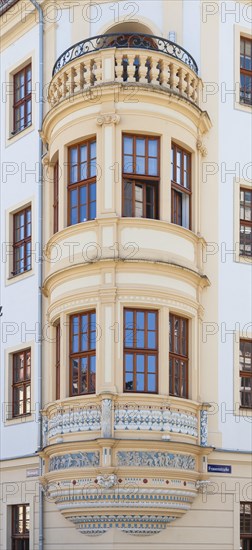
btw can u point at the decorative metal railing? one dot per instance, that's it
(127, 40)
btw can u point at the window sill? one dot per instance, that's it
(246, 108)
(243, 259)
(13, 421)
(18, 135)
(16, 278)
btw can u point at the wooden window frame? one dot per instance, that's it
(146, 352)
(245, 72)
(81, 183)
(245, 537)
(173, 356)
(57, 360)
(180, 188)
(245, 374)
(21, 384)
(23, 242)
(24, 101)
(245, 223)
(90, 352)
(24, 536)
(56, 197)
(144, 179)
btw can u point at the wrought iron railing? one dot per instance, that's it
(128, 40)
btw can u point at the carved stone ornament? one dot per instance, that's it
(108, 119)
(201, 147)
(106, 482)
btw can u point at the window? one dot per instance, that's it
(58, 361)
(22, 227)
(82, 353)
(180, 186)
(21, 385)
(140, 176)
(82, 182)
(246, 373)
(56, 198)
(140, 350)
(178, 357)
(246, 71)
(22, 99)
(246, 525)
(20, 527)
(245, 222)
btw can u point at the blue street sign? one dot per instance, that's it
(219, 469)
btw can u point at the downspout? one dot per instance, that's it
(40, 259)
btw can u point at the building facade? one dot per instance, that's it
(126, 215)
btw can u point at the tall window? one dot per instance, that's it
(58, 361)
(20, 527)
(246, 525)
(246, 373)
(22, 99)
(246, 71)
(56, 198)
(22, 228)
(21, 386)
(178, 357)
(140, 176)
(245, 222)
(82, 182)
(180, 186)
(82, 353)
(140, 350)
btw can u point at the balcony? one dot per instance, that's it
(131, 59)
(134, 463)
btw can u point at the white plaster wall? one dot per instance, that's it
(20, 299)
(235, 279)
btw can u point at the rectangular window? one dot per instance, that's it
(22, 227)
(180, 186)
(178, 356)
(20, 530)
(82, 182)
(246, 71)
(246, 525)
(58, 361)
(245, 222)
(56, 198)
(141, 176)
(21, 383)
(140, 351)
(246, 373)
(82, 353)
(22, 108)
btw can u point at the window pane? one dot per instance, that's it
(140, 363)
(92, 210)
(128, 145)
(75, 368)
(140, 165)
(153, 167)
(151, 364)
(129, 381)
(153, 148)
(151, 321)
(151, 340)
(129, 362)
(140, 147)
(127, 210)
(140, 319)
(151, 382)
(140, 382)
(140, 339)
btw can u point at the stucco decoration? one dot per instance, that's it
(158, 459)
(106, 418)
(153, 419)
(74, 419)
(140, 525)
(203, 429)
(108, 119)
(74, 460)
(106, 482)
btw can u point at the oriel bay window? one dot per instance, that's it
(82, 353)
(20, 528)
(140, 350)
(246, 373)
(246, 71)
(141, 173)
(22, 227)
(58, 333)
(245, 222)
(21, 385)
(246, 525)
(178, 356)
(82, 182)
(56, 197)
(180, 186)
(22, 108)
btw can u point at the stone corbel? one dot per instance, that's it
(108, 119)
(201, 147)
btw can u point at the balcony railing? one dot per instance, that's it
(135, 59)
(128, 40)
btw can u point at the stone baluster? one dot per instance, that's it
(97, 70)
(131, 68)
(79, 79)
(165, 73)
(142, 69)
(88, 74)
(154, 72)
(59, 88)
(66, 83)
(119, 67)
(174, 79)
(189, 89)
(182, 81)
